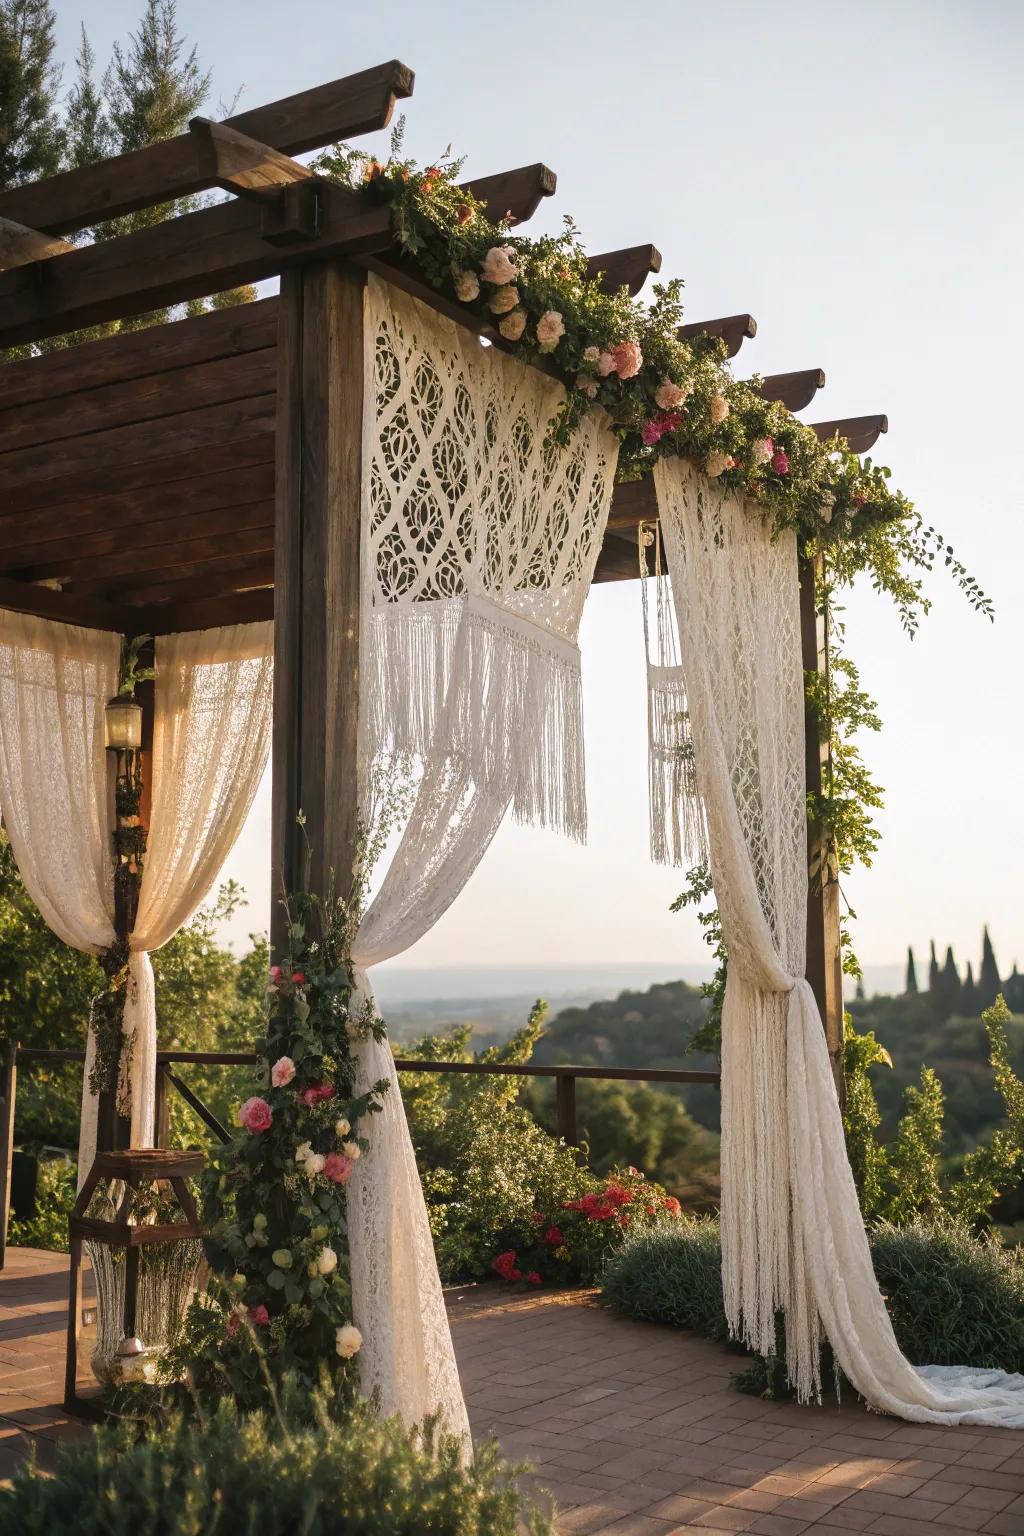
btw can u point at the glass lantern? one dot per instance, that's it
(122, 725)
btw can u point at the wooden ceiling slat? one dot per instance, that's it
(77, 554)
(180, 616)
(629, 268)
(618, 560)
(341, 109)
(115, 514)
(188, 585)
(181, 560)
(67, 607)
(157, 397)
(144, 441)
(633, 501)
(149, 476)
(134, 354)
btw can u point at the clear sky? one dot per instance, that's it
(850, 174)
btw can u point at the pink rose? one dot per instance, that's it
(259, 1315)
(299, 978)
(780, 462)
(628, 359)
(337, 1168)
(315, 1093)
(282, 1072)
(276, 975)
(762, 450)
(255, 1115)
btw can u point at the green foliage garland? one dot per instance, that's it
(275, 1197)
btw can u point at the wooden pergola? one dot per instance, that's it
(208, 471)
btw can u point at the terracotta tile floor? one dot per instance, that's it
(633, 1429)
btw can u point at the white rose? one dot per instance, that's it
(314, 1164)
(505, 299)
(592, 356)
(326, 1261)
(499, 265)
(341, 1127)
(348, 1341)
(762, 450)
(352, 1150)
(588, 384)
(302, 1151)
(550, 330)
(467, 287)
(513, 325)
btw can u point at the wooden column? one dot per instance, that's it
(316, 583)
(8, 1094)
(824, 959)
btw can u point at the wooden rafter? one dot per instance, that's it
(162, 172)
(20, 245)
(513, 195)
(242, 165)
(793, 390)
(629, 268)
(732, 329)
(859, 432)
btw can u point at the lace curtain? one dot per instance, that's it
(479, 541)
(211, 737)
(792, 1234)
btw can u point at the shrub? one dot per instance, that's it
(276, 1474)
(498, 1186)
(55, 1195)
(954, 1298)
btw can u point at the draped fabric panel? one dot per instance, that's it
(211, 738)
(793, 1239)
(479, 542)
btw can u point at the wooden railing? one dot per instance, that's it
(168, 1080)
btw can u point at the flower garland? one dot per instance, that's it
(536, 299)
(275, 1198)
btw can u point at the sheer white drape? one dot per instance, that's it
(792, 1234)
(211, 737)
(479, 543)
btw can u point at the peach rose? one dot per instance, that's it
(513, 325)
(550, 330)
(718, 409)
(668, 395)
(499, 265)
(467, 287)
(505, 299)
(628, 359)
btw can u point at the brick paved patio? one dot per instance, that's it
(633, 1429)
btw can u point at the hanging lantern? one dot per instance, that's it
(122, 724)
(138, 1216)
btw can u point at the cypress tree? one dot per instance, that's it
(910, 987)
(989, 985)
(859, 994)
(949, 985)
(31, 136)
(969, 995)
(1013, 990)
(935, 987)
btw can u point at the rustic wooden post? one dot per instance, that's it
(9, 1085)
(316, 581)
(824, 958)
(565, 1108)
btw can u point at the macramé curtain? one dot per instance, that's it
(479, 540)
(793, 1239)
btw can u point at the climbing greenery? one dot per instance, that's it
(537, 299)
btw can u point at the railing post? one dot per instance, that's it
(565, 1108)
(161, 1109)
(10, 1086)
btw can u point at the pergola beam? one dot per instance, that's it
(793, 390)
(242, 165)
(513, 195)
(629, 268)
(67, 607)
(20, 245)
(734, 330)
(859, 432)
(175, 168)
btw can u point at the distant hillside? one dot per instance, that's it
(637, 1029)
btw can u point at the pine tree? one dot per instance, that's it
(31, 137)
(1013, 990)
(989, 985)
(910, 987)
(969, 996)
(89, 133)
